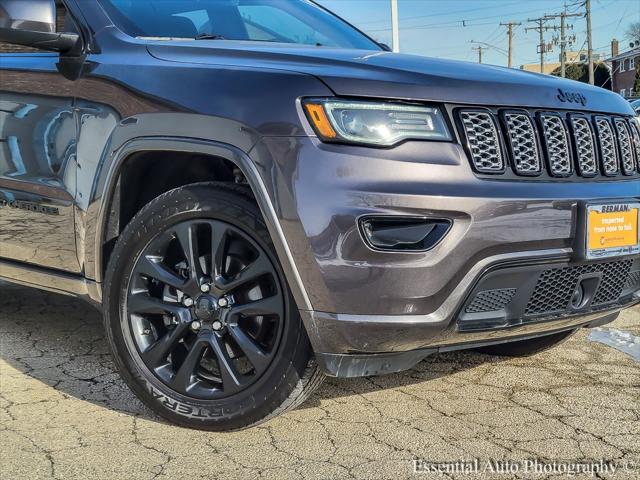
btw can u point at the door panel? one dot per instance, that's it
(37, 162)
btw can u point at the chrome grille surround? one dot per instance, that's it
(585, 146)
(634, 127)
(524, 143)
(483, 140)
(608, 150)
(627, 160)
(556, 141)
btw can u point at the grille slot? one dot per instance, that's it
(484, 141)
(524, 145)
(635, 137)
(491, 300)
(555, 287)
(585, 146)
(557, 143)
(626, 150)
(608, 149)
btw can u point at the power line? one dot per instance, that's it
(436, 26)
(468, 22)
(443, 14)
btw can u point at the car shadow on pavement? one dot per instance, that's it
(59, 341)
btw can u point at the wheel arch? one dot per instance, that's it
(107, 183)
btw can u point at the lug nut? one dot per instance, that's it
(188, 302)
(195, 325)
(223, 302)
(205, 288)
(217, 325)
(146, 331)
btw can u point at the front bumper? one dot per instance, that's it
(347, 365)
(539, 302)
(358, 301)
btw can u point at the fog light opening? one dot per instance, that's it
(403, 234)
(585, 291)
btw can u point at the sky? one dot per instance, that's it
(441, 28)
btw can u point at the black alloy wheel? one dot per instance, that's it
(198, 314)
(205, 308)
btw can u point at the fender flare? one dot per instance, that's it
(204, 147)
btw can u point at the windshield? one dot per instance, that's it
(289, 21)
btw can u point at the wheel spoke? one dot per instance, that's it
(157, 353)
(152, 267)
(183, 377)
(259, 267)
(218, 250)
(187, 235)
(231, 378)
(265, 306)
(258, 358)
(143, 303)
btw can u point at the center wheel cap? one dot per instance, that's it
(206, 308)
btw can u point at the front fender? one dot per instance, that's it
(188, 133)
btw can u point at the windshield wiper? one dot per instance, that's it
(209, 36)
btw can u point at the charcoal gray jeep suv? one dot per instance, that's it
(257, 195)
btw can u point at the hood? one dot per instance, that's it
(359, 73)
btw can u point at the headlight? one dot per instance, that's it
(374, 123)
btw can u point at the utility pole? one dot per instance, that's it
(589, 41)
(510, 26)
(541, 28)
(395, 26)
(563, 37)
(483, 47)
(479, 49)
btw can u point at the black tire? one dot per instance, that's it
(526, 348)
(263, 377)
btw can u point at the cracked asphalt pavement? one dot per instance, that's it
(65, 413)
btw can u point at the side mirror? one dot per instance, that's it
(32, 23)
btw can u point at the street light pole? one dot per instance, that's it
(395, 26)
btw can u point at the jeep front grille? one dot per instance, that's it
(484, 141)
(550, 144)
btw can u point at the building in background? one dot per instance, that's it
(572, 57)
(624, 70)
(535, 67)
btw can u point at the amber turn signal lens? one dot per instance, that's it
(319, 120)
